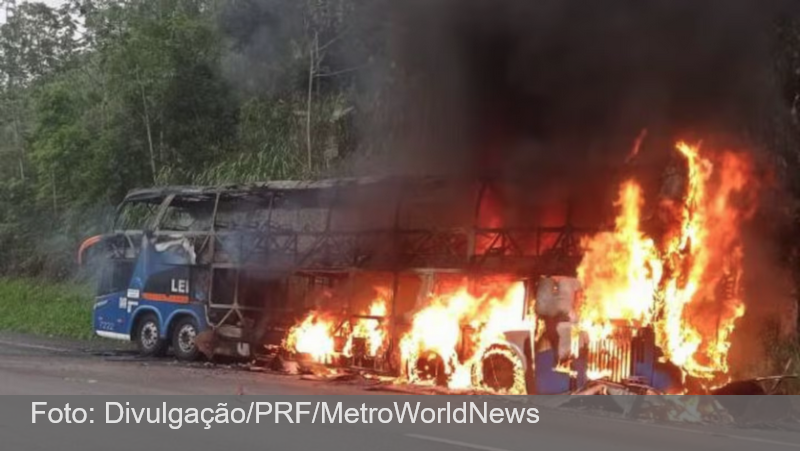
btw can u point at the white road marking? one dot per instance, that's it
(454, 442)
(83, 381)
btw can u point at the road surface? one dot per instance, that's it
(34, 366)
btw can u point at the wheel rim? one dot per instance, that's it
(149, 335)
(186, 336)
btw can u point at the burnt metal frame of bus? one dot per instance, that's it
(556, 249)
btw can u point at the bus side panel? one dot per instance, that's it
(161, 283)
(111, 314)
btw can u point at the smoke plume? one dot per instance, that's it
(514, 86)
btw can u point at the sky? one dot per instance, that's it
(46, 2)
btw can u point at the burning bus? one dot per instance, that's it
(438, 280)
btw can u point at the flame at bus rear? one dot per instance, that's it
(686, 283)
(620, 270)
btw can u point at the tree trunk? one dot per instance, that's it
(149, 131)
(19, 147)
(53, 183)
(309, 98)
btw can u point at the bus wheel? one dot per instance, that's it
(183, 339)
(148, 336)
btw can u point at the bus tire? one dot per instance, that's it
(148, 336)
(184, 333)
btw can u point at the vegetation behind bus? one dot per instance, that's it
(46, 308)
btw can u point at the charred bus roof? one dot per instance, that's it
(299, 187)
(254, 189)
(419, 202)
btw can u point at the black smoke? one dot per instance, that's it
(512, 87)
(546, 90)
(554, 93)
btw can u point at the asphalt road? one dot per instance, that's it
(41, 366)
(32, 366)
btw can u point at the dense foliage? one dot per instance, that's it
(98, 97)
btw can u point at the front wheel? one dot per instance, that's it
(148, 337)
(183, 339)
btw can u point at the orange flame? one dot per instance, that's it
(439, 328)
(370, 329)
(674, 287)
(313, 336)
(620, 270)
(683, 282)
(706, 254)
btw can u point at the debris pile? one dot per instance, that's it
(719, 408)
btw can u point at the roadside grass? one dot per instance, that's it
(45, 308)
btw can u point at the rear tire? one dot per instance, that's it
(183, 335)
(148, 336)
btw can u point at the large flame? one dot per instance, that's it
(440, 327)
(316, 334)
(687, 288)
(312, 336)
(620, 270)
(678, 275)
(371, 329)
